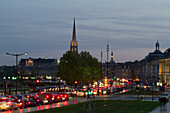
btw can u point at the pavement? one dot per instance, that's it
(162, 109)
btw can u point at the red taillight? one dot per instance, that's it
(58, 97)
(61, 95)
(41, 93)
(9, 102)
(28, 96)
(53, 96)
(35, 97)
(38, 100)
(3, 99)
(47, 96)
(29, 102)
(65, 96)
(19, 104)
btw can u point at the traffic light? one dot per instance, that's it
(75, 83)
(89, 92)
(37, 81)
(137, 88)
(114, 77)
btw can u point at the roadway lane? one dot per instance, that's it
(54, 105)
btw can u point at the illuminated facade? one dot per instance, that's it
(74, 44)
(38, 68)
(29, 62)
(164, 70)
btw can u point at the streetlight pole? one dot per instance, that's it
(17, 55)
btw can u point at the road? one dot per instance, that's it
(54, 105)
(79, 100)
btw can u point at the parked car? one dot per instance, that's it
(7, 104)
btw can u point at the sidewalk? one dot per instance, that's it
(163, 109)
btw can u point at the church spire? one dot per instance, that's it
(74, 31)
(74, 45)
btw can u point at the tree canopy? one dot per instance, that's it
(79, 67)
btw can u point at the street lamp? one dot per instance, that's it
(17, 55)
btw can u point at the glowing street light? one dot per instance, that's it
(17, 55)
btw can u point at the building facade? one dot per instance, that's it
(164, 71)
(41, 68)
(154, 68)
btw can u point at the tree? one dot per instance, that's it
(79, 67)
(69, 67)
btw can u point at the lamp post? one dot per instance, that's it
(17, 55)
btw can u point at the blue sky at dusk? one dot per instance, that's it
(44, 27)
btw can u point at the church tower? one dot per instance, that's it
(157, 46)
(74, 45)
(112, 61)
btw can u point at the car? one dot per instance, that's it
(35, 97)
(30, 103)
(14, 98)
(56, 97)
(81, 93)
(64, 97)
(69, 92)
(46, 97)
(164, 96)
(7, 104)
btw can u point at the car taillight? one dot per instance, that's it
(65, 96)
(28, 96)
(58, 97)
(61, 95)
(47, 96)
(9, 102)
(19, 104)
(35, 97)
(38, 100)
(53, 96)
(3, 99)
(29, 102)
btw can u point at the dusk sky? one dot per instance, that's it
(43, 28)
